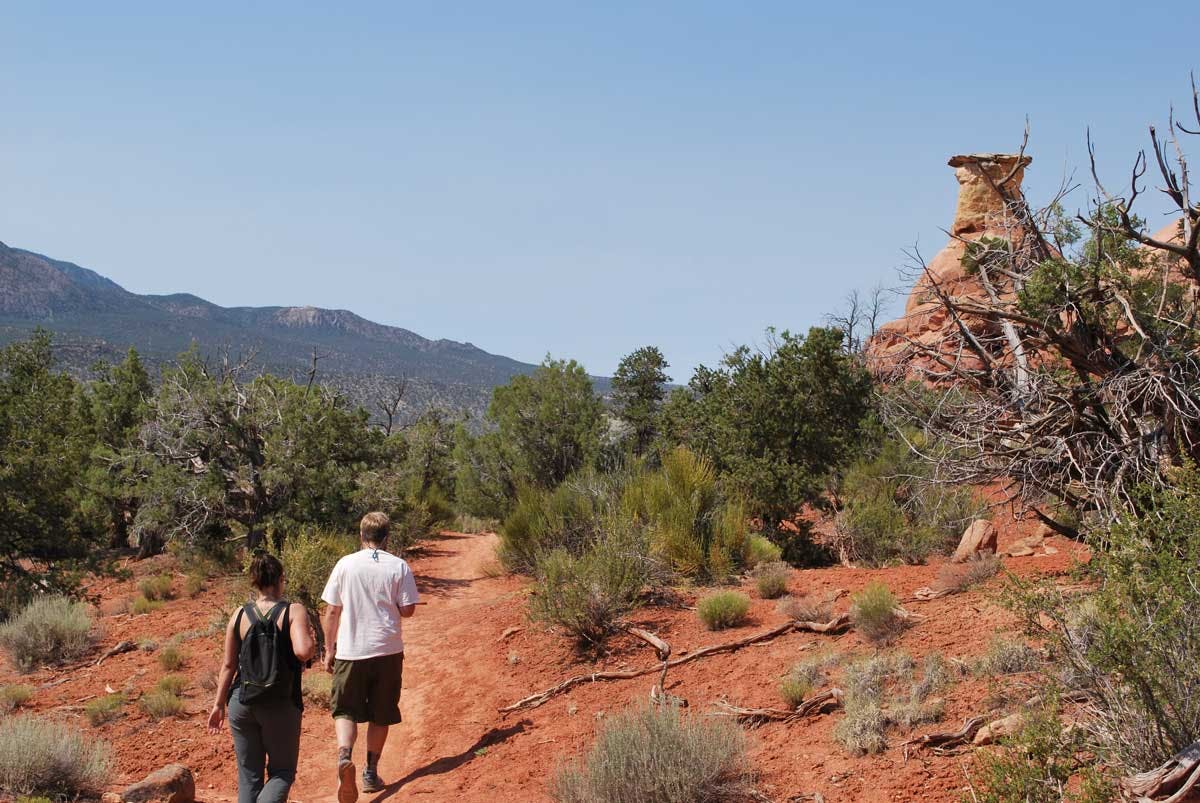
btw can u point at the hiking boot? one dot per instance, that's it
(347, 791)
(371, 781)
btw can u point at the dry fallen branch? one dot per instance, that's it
(817, 704)
(1175, 779)
(946, 740)
(836, 625)
(121, 647)
(925, 594)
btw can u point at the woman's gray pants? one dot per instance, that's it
(265, 735)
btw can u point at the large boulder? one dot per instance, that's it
(171, 784)
(978, 538)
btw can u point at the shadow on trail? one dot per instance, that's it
(450, 763)
(442, 586)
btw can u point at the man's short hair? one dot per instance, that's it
(373, 529)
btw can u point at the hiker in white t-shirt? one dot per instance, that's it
(368, 594)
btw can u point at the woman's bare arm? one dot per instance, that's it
(303, 643)
(225, 680)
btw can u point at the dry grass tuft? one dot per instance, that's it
(959, 577)
(723, 609)
(808, 608)
(49, 758)
(873, 613)
(771, 579)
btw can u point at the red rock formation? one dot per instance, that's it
(987, 182)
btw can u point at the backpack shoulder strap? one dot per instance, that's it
(280, 609)
(252, 613)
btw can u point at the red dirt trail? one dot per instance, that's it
(471, 651)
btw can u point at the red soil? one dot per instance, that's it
(460, 669)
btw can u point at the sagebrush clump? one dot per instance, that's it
(161, 703)
(49, 630)
(771, 579)
(158, 587)
(884, 691)
(50, 758)
(171, 658)
(104, 709)
(14, 696)
(655, 754)
(873, 613)
(723, 609)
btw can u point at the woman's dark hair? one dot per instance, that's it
(265, 571)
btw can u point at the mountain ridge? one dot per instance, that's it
(93, 318)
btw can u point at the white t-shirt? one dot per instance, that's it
(371, 586)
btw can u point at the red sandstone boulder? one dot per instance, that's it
(978, 538)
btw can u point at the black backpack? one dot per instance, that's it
(265, 670)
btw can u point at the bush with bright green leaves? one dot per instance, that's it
(308, 557)
(723, 609)
(690, 522)
(589, 594)
(51, 758)
(760, 549)
(49, 630)
(655, 754)
(873, 613)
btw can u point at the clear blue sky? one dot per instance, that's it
(572, 178)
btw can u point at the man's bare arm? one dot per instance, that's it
(329, 624)
(407, 611)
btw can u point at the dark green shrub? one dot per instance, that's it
(568, 518)
(655, 755)
(723, 609)
(873, 613)
(48, 630)
(588, 595)
(895, 511)
(49, 758)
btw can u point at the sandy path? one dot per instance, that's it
(447, 664)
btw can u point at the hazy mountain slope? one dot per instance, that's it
(93, 317)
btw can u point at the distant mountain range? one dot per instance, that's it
(94, 318)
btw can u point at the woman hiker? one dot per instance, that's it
(266, 643)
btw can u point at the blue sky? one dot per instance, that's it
(580, 179)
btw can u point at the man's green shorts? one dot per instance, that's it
(368, 690)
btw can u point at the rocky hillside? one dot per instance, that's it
(95, 318)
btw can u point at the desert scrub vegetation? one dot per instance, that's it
(959, 577)
(568, 517)
(104, 709)
(308, 557)
(49, 630)
(1007, 657)
(654, 754)
(1042, 762)
(588, 595)
(805, 677)
(873, 613)
(317, 689)
(894, 510)
(161, 703)
(157, 587)
(760, 549)
(691, 523)
(771, 579)
(13, 696)
(142, 606)
(173, 684)
(49, 758)
(807, 608)
(172, 657)
(722, 609)
(1130, 644)
(884, 690)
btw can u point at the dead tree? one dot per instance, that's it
(389, 404)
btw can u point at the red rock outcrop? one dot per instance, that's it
(987, 182)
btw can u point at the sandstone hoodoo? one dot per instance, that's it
(987, 185)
